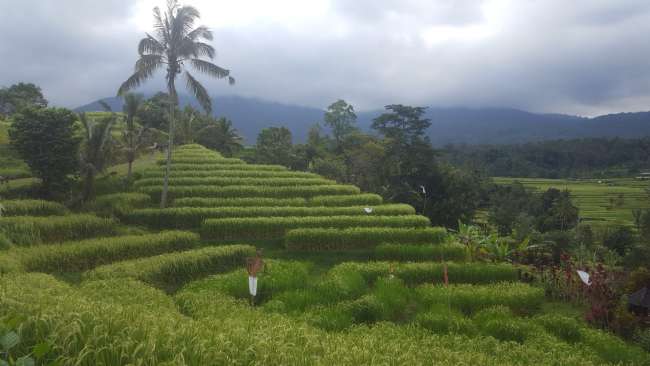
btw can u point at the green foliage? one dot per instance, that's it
(192, 217)
(442, 320)
(96, 150)
(45, 139)
(238, 202)
(20, 96)
(369, 199)
(29, 230)
(275, 227)
(421, 253)
(252, 191)
(32, 208)
(83, 255)
(341, 119)
(359, 238)
(565, 328)
(220, 135)
(520, 298)
(174, 269)
(274, 182)
(431, 272)
(119, 204)
(274, 146)
(242, 173)
(209, 161)
(499, 323)
(182, 167)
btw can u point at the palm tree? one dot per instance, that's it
(220, 135)
(95, 150)
(133, 136)
(176, 44)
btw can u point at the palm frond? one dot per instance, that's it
(161, 26)
(200, 32)
(150, 45)
(143, 72)
(209, 68)
(199, 92)
(105, 106)
(204, 49)
(184, 20)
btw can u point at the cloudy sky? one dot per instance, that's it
(583, 57)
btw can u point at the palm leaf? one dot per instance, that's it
(209, 68)
(199, 92)
(150, 45)
(200, 32)
(144, 70)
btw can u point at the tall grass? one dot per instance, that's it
(275, 227)
(421, 253)
(174, 269)
(192, 217)
(368, 199)
(241, 173)
(120, 203)
(179, 167)
(83, 255)
(32, 208)
(230, 181)
(359, 238)
(238, 202)
(207, 160)
(31, 230)
(251, 191)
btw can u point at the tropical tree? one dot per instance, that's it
(133, 136)
(176, 44)
(96, 149)
(220, 135)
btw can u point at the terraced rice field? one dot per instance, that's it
(348, 280)
(599, 201)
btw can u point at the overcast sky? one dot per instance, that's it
(583, 57)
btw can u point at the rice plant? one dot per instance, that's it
(32, 208)
(239, 202)
(55, 228)
(251, 191)
(421, 253)
(369, 199)
(359, 238)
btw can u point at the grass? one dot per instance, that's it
(600, 201)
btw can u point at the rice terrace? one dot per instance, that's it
(152, 227)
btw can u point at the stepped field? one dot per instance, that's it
(348, 280)
(600, 201)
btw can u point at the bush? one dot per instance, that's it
(359, 238)
(418, 273)
(421, 253)
(83, 255)
(192, 217)
(120, 203)
(520, 298)
(251, 191)
(276, 227)
(174, 269)
(230, 181)
(368, 199)
(238, 202)
(32, 208)
(55, 228)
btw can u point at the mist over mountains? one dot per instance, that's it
(449, 125)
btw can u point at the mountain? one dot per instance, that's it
(448, 125)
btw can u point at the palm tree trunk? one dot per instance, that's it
(128, 173)
(172, 96)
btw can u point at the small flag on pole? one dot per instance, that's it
(584, 276)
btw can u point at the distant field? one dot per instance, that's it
(604, 201)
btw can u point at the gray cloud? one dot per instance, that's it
(585, 57)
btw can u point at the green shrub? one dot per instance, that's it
(30, 230)
(174, 269)
(238, 202)
(421, 253)
(193, 217)
(230, 181)
(250, 191)
(230, 173)
(359, 238)
(367, 199)
(87, 254)
(32, 208)
(520, 298)
(120, 203)
(418, 273)
(276, 227)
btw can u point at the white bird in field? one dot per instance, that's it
(368, 209)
